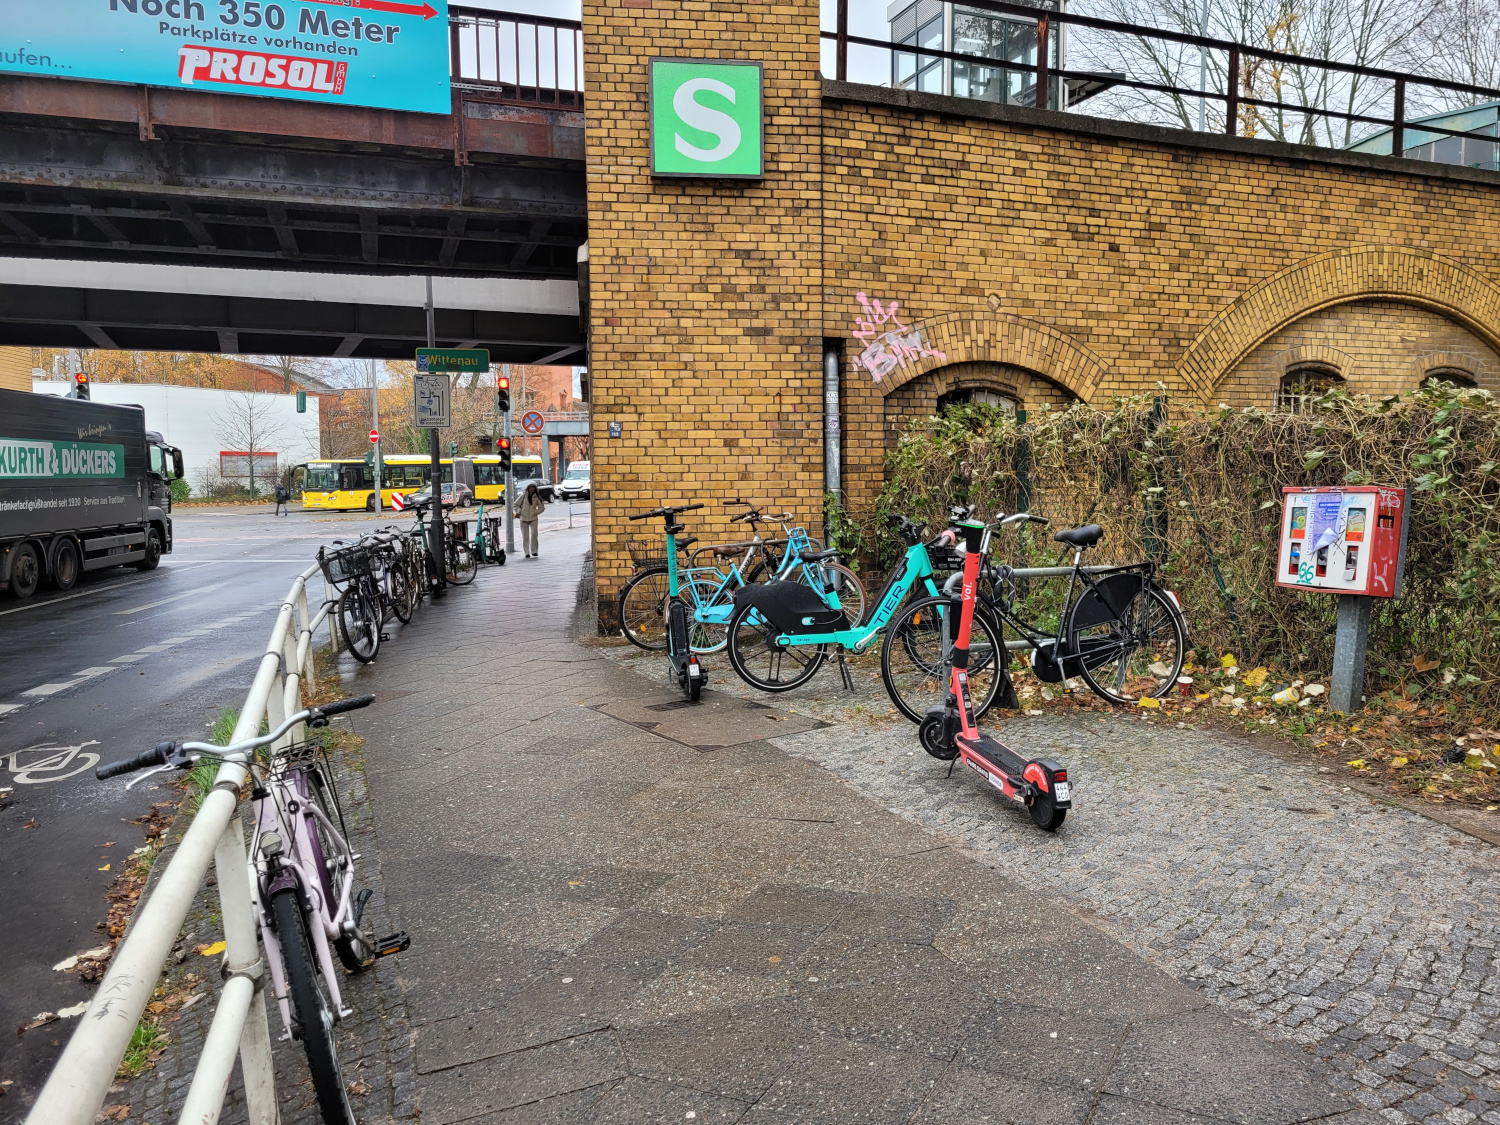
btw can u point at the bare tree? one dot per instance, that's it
(247, 424)
(1372, 33)
(1458, 42)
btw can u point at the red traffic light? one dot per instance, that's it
(502, 443)
(80, 384)
(502, 382)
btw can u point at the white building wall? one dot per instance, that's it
(195, 420)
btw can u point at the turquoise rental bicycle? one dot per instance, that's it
(685, 666)
(780, 634)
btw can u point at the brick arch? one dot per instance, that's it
(1415, 277)
(1002, 338)
(1319, 355)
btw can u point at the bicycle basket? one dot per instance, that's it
(646, 552)
(344, 564)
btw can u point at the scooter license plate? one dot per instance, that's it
(694, 670)
(1063, 792)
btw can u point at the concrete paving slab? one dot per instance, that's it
(521, 1077)
(833, 1081)
(967, 1095)
(1206, 1063)
(638, 1100)
(1045, 1045)
(716, 721)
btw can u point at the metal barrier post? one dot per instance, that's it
(305, 630)
(243, 995)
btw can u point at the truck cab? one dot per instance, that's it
(163, 466)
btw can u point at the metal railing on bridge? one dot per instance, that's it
(1244, 90)
(524, 60)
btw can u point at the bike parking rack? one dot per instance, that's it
(80, 1081)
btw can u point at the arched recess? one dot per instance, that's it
(1004, 339)
(1361, 273)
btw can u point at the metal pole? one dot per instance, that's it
(510, 530)
(1350, 642)
(832, 437)
(435, 530)
(1043, 99)
(1398, 120)
(375, 425)
(1203, 71)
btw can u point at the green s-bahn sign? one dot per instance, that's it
(707, 119)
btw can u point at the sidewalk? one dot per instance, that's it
(627, 909)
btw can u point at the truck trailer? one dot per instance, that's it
(83, 486)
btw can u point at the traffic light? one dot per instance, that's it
(502, 394)
(301, 402)
(80, 385)
(502, 447)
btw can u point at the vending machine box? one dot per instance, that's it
(1343, 540)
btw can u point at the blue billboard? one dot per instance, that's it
(388, 54)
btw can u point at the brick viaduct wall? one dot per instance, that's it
(1049, 257)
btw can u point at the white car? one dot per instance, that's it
(575, 482)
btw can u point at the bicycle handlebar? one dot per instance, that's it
(156, 756)
(171, 753)
(668, 512)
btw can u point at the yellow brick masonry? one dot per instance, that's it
(705, 338)
(1043, 257)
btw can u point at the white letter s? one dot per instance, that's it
(714, 121)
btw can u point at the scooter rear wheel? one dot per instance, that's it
(1045, 814)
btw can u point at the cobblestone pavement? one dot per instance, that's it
(1363, 931)
(374, 1045)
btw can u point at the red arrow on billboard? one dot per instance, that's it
(426, 11)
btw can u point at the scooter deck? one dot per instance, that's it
(996, 753)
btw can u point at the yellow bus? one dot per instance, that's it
(489, 478)
(344, 484)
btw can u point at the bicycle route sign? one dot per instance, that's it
(434, 405)
(532, 422)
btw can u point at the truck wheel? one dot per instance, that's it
(25, 571)
(65, 565)
(153, 551)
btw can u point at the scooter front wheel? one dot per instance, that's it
(930, 733)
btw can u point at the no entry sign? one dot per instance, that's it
(532, 422)
(374, 436)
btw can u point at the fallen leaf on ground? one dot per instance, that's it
(1256, 676)
(1422, 664)
(209, 950)
(87, 955)
(76, 1010)
(41, 1019)
(1358, 763)
(1147, 701)
(104, 868)
(359, 1088)
(1228, 660)
(30, 823)
(113, 1113)
(1398, 761)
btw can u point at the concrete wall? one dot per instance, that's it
(201, 422)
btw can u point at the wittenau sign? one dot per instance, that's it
(706, 119)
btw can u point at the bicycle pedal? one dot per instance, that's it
(394, 943)
(385, 636)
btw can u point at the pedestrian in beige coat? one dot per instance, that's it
(529, 509)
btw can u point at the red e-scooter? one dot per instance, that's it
(949, 731)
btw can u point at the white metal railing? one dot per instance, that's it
(78, 1084)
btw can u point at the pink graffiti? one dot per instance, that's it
(888, 348)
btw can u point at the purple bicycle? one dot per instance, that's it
(302, 875)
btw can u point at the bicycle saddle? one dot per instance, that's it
(819, 556)
(1085, 536)
(730, 550)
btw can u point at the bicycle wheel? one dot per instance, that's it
(1137, 654)
(851, 591)
(355, 952)
(642, 602)
(402, 601)
(915, 654)
(461, 564)
(359, 618)
(314, 1018)
(705, 637)
(762, 663)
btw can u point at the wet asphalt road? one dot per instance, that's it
(121, 662)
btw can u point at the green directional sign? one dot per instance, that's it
(707, 119)
(452, 359)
